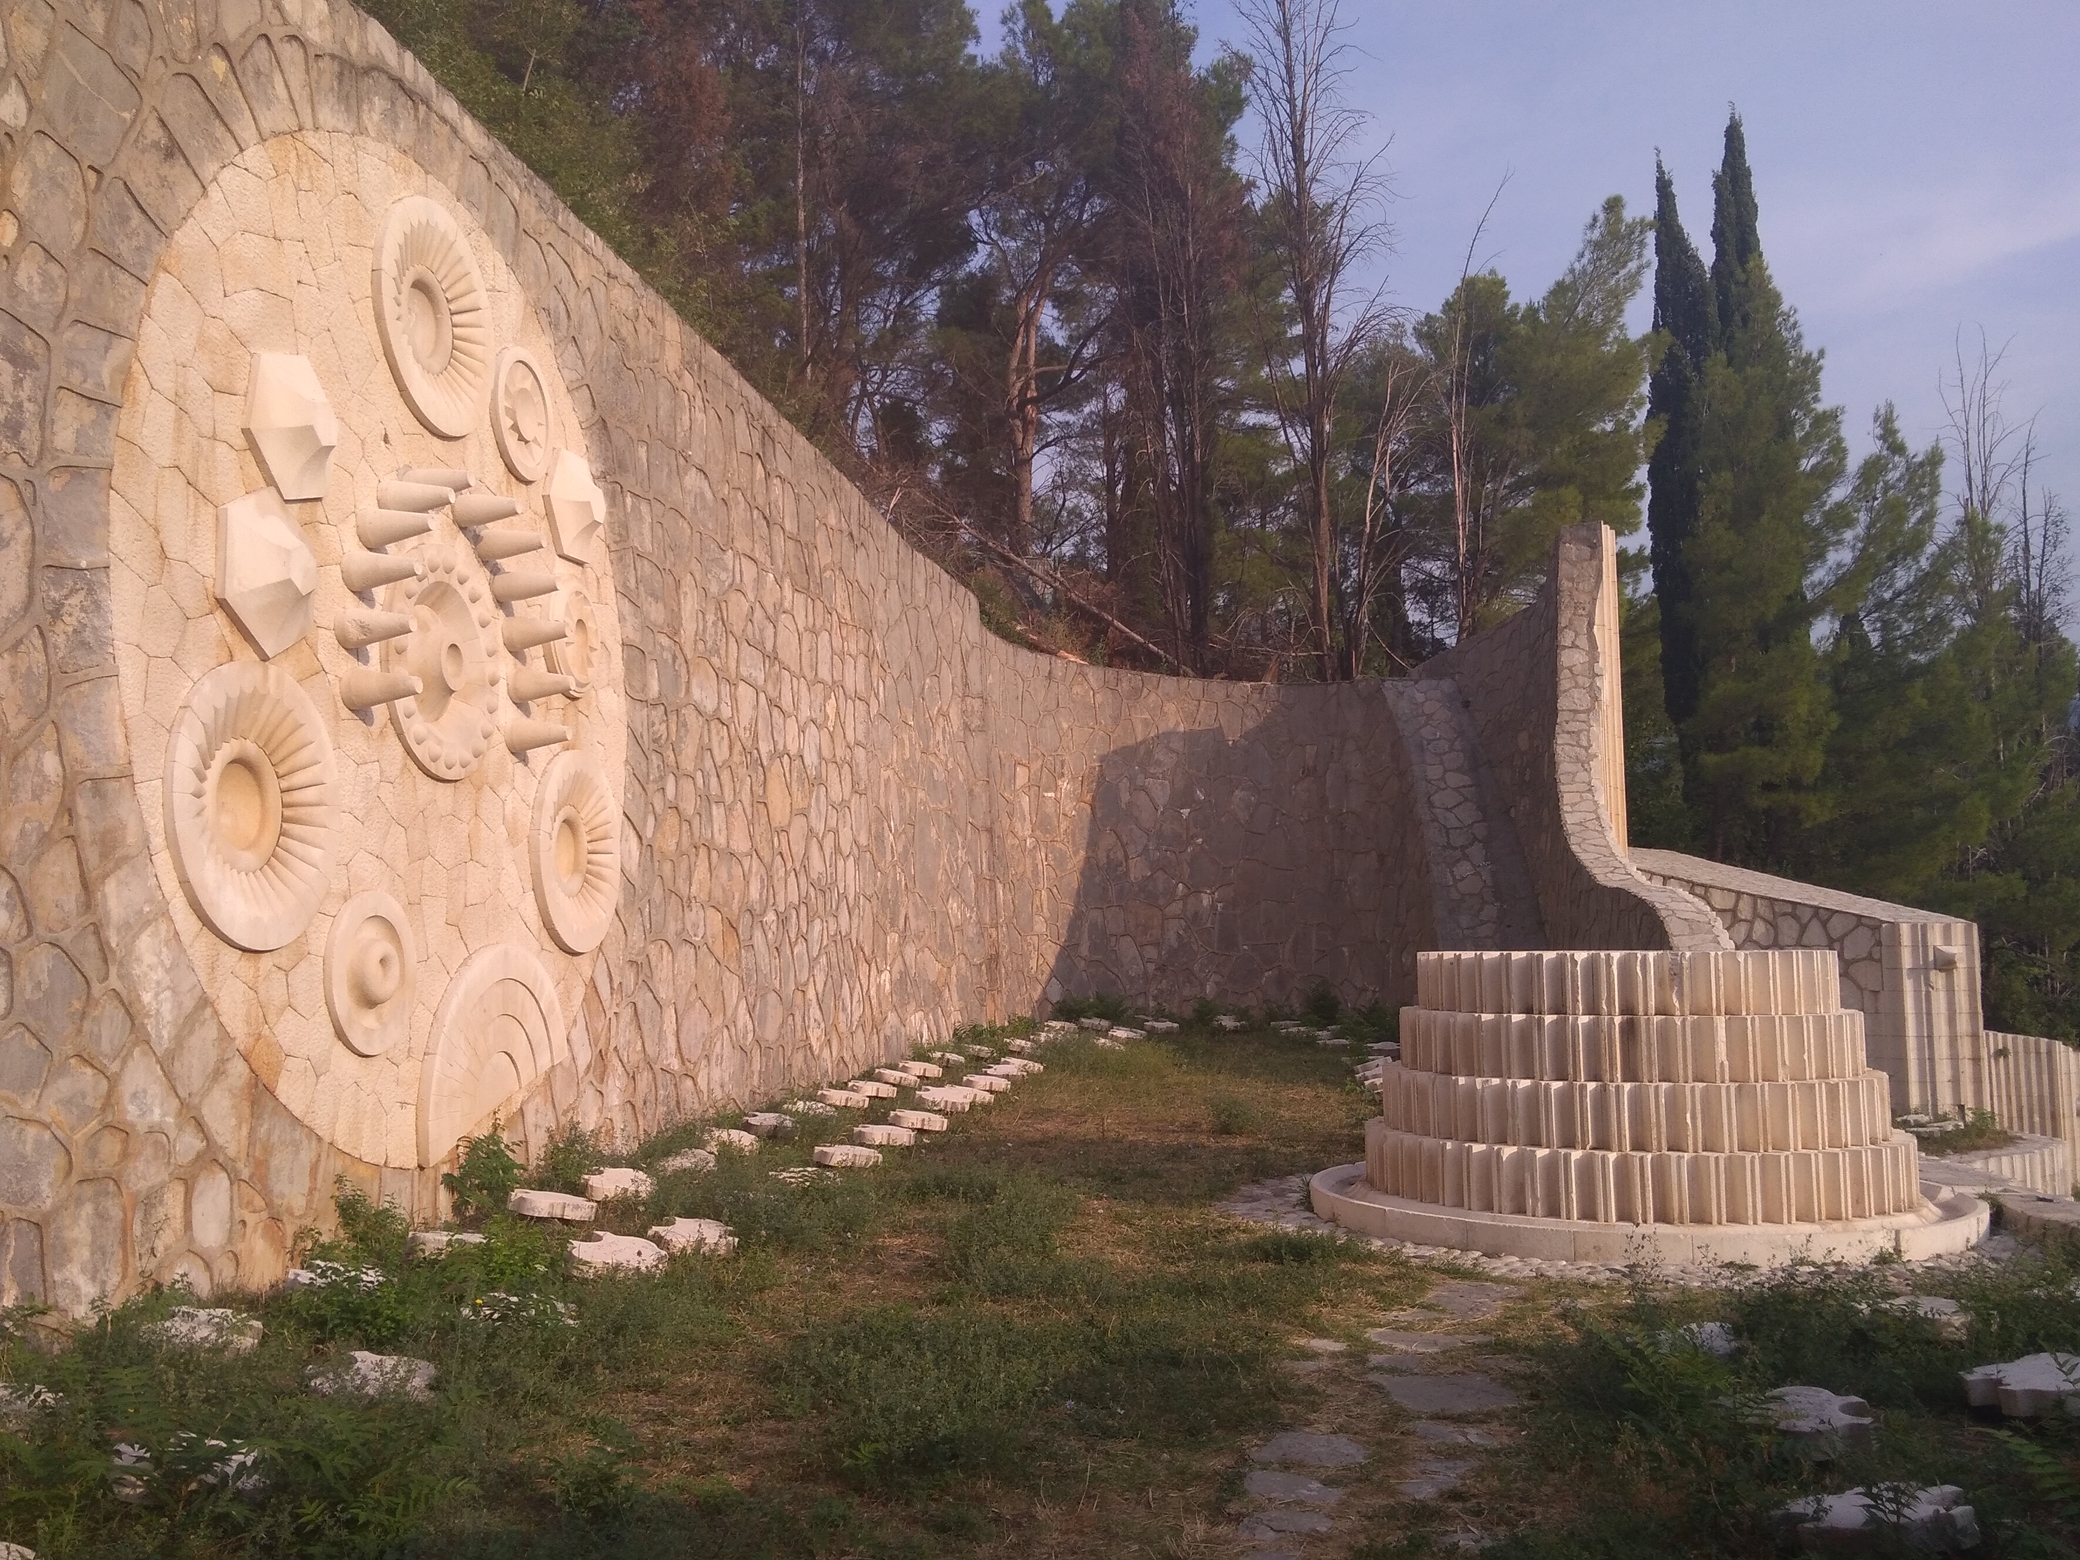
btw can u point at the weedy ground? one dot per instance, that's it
(1032, 1336)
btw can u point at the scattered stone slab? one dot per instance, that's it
(732, 1139)
(1305, 1449)
(364, 1375)
(1433, 1478)
(695, 1161)
(985, 1083)
(1058, 1026)
(1420, 1343)
(917, 1120)
(1932, 1520)
(844, 1099)
(207, 1327)
(531, 1204)
(896, 1077)
(1324, 1346)
(1463, 1299)
(1439, 1432)
(1096, 1026)
(1467, 1393)
(981, 1053)
(438, 1243)
(1268, 1484)
(1110, 1045)
(605, 1185)
(1278, 1524)
(709, 1235)
(1826, 1424)
(335, 1275)
(768, 1124)
(1713, 1338)
(1229, 1022)
(1019, 1047)
(877, 1135)
(802, 1175)
(921, 1069)
(873, 1090)
(947, 1099)
(605, 1253)
(845, 1156)
(2028, 1388)
(950, 1058)
(16, 1551)
(1160, 1026)
(811, 1108)
(1122, 1032)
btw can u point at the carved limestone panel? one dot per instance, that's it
(575, 852)
(577, 507)
(266, 574)
(251, 804)
(290, 424)
(499, 1027)
(371, 973)
(448, 725)
(520, 414)
(430, 309)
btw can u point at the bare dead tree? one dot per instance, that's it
(1323, 201)
(1455, 388)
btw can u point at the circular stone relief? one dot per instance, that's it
(450, 723)
(520, 413)
(430, 312)
(371, 973)
(498, 1029)
(574, 848)
(576, 655)
(251, 804)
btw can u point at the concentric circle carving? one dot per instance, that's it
(520, 413)
(371, 973)
(430, 312)
(251, 804)
(451, 722)
(499, 1027)
(575, 850)
(577, 654)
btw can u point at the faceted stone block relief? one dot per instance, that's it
(371, 972)
(291, 424)
(252, 804)
(430, 309)
(577, 507)
(266, 573)
(499, 1028)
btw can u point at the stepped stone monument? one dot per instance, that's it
(436, 690)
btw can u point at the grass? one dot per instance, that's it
(1031, 1336)
(1980, 1131)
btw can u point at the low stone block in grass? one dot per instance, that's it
(918, 1120)
(206, 1327)
(529, 1203)
(879, 1135)
(605, 1185)
(846, 1156)
(2028, 1388)
(361, 1374)
(605, 1253)
(709, 1235)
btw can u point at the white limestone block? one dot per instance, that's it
(950, 1058)
(873, 1090)
(845, 1099)
(768, 1123)
(16, 1551)
(577, 508)
(1827, 1423)
(983, 1083)
(291, 424)
(1058, 1026)
(845, 1156)
(267, 574)
(803, 1175)
(1713, 1338)
(733, 1139)
(1019, 1047)
(1160, 1026)
(552, 1205)
(895, 1077)
(1096, 1026)
(709, 1235)
(438, 1243)
(1932, 1520)
(606, 1253)
(364, 1375)
(811, 1108)
(1229, 1022)
(1109, 1045)
(697, 1161)
(917, 1120)
(603, 1185)
(1015, 1067)
(952, 1099)
(875, 1135)
(921, 1069)
(207, 1327)
(1121, 1032)
(2034, 1385)
(1950, 1318)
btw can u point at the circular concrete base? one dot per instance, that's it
(1947, 1221)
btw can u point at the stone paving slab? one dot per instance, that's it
(1277, 1524)
(1266, 1484)
(1420, 1343)
(1305, 1449)
(1458, 1394)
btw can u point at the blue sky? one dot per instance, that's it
(1917, 167)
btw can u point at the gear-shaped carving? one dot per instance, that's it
(451, 722)
(520, 413)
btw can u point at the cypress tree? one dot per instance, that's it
(1684, 324)
(1770, 458)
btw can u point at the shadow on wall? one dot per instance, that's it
(1249, 870)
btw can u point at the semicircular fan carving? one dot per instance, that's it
(252, 804)
(499, 1028)
(574, 849)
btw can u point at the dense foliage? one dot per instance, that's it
(1123, 375)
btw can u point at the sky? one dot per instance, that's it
(1917, 166)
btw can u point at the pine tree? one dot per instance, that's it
(1684, 326)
